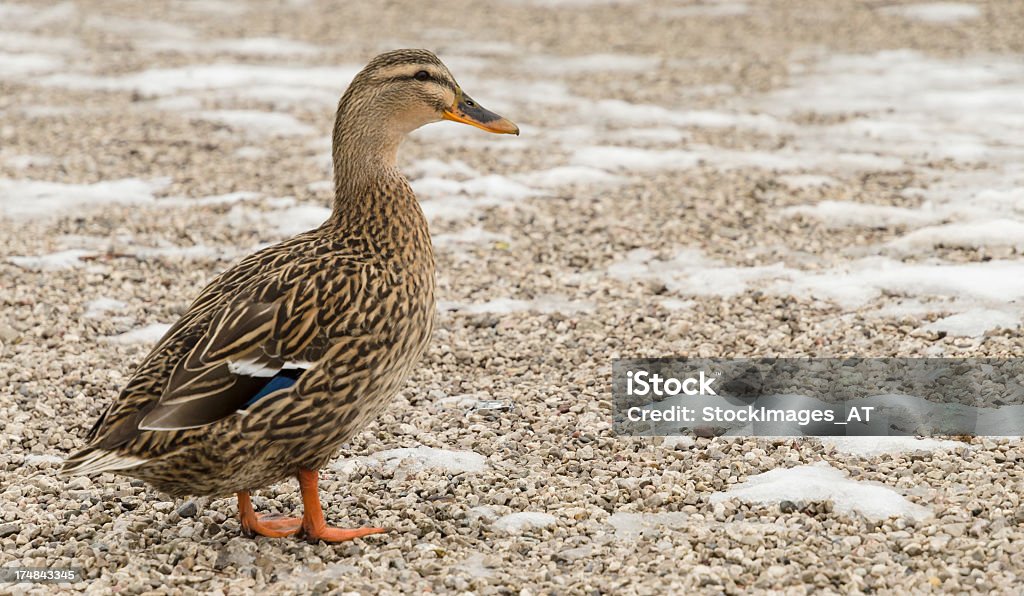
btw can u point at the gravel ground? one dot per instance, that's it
(687, 237)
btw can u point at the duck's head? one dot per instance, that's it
(401, 90)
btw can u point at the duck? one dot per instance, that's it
(291, 351)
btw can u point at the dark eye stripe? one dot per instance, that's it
(443, 82)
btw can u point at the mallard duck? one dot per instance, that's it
(287, 354)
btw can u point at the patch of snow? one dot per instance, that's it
(299, 219)
(936, 12)
(419, 458)
(37, 459)
(517, 523)
(23, 162)
(631, 525)
(874, 446)
(690, 273)
(678, 441)
(150, 334)
(256, 123)
(25, 17)
(251, 152)
(244, 79)
(475, 566)
(542, 304)
(143, 29)
(16, 64)
(841, 214)
(246, 46)
(65, 259)
(442, 198)
(822, 482)
(432, 168)
(95, 309)
(973, 234)
(632, 159)
(16, 41)
(568, 176)
(671, 136)
(473, 235)
(569, 65)
(853, 284)
(39, 199)
(974, 322)
(195, 252)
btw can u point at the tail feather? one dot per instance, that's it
(94, 461)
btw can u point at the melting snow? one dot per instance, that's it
(245, 79)
(150, 334)
(257, 123)
(975, 322)
(473, 235)
(936, 12)
(822, 482)
(873, 446)
(516, 523)
(95, 309)
(999, 232)
(15, 65)
(632, 525)
(65, 259)
(419, 458)
(38, 199)
(568, 176)
(541, 304)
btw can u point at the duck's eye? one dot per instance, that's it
(422, 76)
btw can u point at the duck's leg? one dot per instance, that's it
(272, 527)
(313, 525)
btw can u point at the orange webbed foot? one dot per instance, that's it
(272, 526)
(331, 534)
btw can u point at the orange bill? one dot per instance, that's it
(469, 112)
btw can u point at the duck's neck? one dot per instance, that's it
(364, 154)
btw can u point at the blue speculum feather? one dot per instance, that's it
(282, 380)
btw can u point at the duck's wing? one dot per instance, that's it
(235, 340)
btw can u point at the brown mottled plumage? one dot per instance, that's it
(343, 311)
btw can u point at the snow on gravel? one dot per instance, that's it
(631, 525)
(418, 458)
(975, 322)
(257, 123)
(541, 304)
(822, 482)
(65, 259)
(517, 523)
(936, 12)
(150, 334)
(40, 199)
(95, 309)
(248, 80)
(875, 446)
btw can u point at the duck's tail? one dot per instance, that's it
(93, 460)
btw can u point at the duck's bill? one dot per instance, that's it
(469, 112)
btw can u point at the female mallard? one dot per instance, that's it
(286, 355)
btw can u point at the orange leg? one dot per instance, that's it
(272, 527)
(313, 525)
